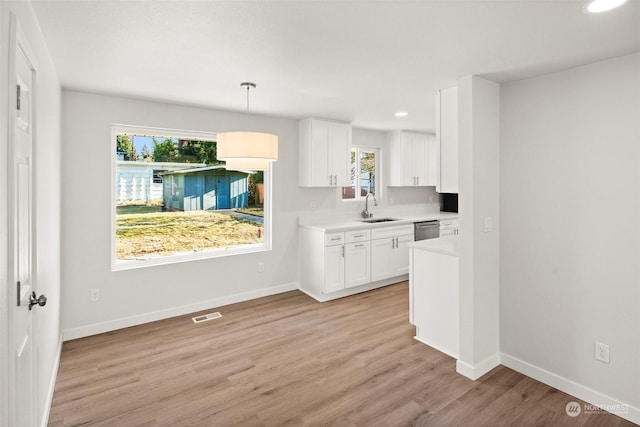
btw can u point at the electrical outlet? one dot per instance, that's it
(95, 294)
(261, 267)
(602, 352)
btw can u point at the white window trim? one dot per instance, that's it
(378, 193)
(118, 265)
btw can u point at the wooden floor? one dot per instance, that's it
(289, 360)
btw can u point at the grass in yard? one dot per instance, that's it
(126, 209)
(166, 233)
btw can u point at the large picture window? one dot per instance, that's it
(174, 201)
(364, 173)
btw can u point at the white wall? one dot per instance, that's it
(139, 295)
(570, 228)
(479, 161)
(47, 200)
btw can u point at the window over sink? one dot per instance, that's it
(364, 167)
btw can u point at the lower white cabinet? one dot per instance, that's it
(389, 251)
(333, 268)
(358, 264)
(333, 263)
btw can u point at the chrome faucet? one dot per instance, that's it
(365, 212)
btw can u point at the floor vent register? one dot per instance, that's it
(206, 317)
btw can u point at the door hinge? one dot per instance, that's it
(18, 98)
(18, 297)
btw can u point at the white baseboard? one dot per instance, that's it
(476, 371)
(621, 409)
(112, 325)
(52, 385)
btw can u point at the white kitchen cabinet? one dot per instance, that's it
(413, 159)
(447, 140)
(389, 251)
(357, 251)
(333, 268)
(333, 262)
(324, 153)
(358, 264)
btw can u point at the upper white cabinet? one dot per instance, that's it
(447, 140)
(413, 159)
(325, 150)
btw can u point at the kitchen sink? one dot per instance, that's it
(375, 220)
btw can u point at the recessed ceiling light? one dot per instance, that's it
(597, 6)
(402, 114)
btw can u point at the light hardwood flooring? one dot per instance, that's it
(287, 360)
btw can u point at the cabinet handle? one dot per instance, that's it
(342, 251)
(335, 179)
(417, 180)
(358, 235)
(359, 246)
(333, 239)
(393, 242)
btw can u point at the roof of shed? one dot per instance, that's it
(201, 169)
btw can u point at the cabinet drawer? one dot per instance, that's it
(448, 223)
(357, 236)
(380, 233)
(333, 239)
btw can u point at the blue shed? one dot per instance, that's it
(205, 188)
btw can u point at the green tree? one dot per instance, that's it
(125, 145)
(197, 151)
(165, 151)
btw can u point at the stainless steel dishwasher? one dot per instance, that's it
(426, 230)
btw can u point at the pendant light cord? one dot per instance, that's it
(248, 98)
(248, 85)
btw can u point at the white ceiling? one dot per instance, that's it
(355, 61)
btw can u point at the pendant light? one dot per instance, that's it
(242, 149)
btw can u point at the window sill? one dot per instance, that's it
(120, 265)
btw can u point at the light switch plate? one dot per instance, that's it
(488, 224)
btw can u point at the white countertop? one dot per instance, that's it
(448, 245)
(337, 225)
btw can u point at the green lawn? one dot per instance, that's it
(139, 235)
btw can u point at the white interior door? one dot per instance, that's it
(21, 266)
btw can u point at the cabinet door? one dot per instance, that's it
(340, 154)
(320, 161)
(433, 158)
(333, 268)
(401, 254)
(382, 262)
(408, 159)
(357, 264)
(418, 159)
(447, 134)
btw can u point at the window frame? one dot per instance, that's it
(119, 265)
(378, 193)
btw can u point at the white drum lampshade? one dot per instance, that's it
(247, 145)
(248, 164)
